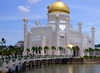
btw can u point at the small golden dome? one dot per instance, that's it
(25, 19)
(92, 27)
(57, 15)
(42, 32)
(58, 6)
(67, 18)
(79, 23)
(30, 32)
(36, 21)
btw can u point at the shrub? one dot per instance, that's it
(80, 57)
(85, 56)
(13, 57)
(90, 56)
(19, 59)
(13, 60)
(95, 56)
(7, 62)
(98, 56)
(30, 54)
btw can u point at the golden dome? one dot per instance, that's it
(25, 19)
(30, 32)
(92, 27)
(66, 18)
(57, 15)
(79, 23)
(36, 21)
(58, 6)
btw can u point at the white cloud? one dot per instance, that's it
(32, 1)
(24, 9)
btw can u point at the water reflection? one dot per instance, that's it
(68, 68)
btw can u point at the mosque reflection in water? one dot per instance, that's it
(68, 68)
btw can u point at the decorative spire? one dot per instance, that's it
(93, 28)
(79, 24)
(25, 19)
(37, 23)
(57, 15)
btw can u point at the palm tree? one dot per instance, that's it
(0, 52)
(96, 51)
(16, 52)
(73, 48)
(86, 51)
(46, 48)
(39, 49)
(1, 47)
(33, 49)
(60, 48)
(74, 51)
(3, 40)
(8, 53)
(20, 50)
(53, 48)
(90, 51)
(28, 50)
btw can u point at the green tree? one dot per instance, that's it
(28, 50)
(34, 49)
(46, 48)
(86, 51)
(16, 52)
(60, 48)
(53, 49)
(96, 51)
(39, 49)
(21, 50)
(3, 40)
(73, 48)
(90, 51)
(0, 52)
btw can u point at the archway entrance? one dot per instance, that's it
(76, 51)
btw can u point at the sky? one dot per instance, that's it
(12, 13)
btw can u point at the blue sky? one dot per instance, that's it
(12, 13)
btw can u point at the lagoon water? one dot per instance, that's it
(64, 68)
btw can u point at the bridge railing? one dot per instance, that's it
(13, 58)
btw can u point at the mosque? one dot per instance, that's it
(58, 32)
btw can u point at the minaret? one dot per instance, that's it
(67, 29)
(57, 31)
(81, 37)
(66, 35)
(25, 34)
(42, 42)
(80, 28)
(30, 40)
(93, 36)
(87, 40)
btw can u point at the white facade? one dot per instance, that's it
(58, 32)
